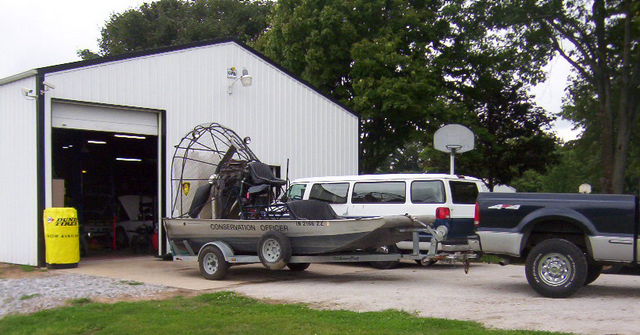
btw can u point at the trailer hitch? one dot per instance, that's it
(438, 235)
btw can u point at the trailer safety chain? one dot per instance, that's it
(466, 264)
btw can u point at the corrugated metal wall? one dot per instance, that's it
(18, 174)
(284, 118)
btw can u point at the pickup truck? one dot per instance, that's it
(564, 240)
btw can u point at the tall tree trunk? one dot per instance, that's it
(624, 123)
(603, 88)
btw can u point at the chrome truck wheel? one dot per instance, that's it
(556, 268)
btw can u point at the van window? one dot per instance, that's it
(296, 191)
(379, 192)
(334, 193)
(427, 192)
(463, 192)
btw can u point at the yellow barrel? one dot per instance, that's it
(62, 237)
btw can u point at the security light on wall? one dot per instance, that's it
(245, 79)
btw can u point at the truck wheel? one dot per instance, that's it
(385, 265)
(298, 266)
(274, 250)
(593, 272)
(213, 266)
(556, 268)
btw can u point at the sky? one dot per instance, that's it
(38, 33)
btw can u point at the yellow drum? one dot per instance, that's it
(62, 237)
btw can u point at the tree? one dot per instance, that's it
(370, 55)
(406, 67)
(510, 135)
(601, 41)
(171, 22)
(576, 166)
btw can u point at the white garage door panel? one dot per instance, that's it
(99, 118)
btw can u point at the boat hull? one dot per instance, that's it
(307, 237)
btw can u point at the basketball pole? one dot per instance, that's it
(452, 160)
(452, 163)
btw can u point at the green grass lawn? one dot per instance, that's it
(226, 313)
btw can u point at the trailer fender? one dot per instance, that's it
(223, 246)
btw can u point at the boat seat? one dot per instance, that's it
(261, 174)
(199, 200)
(311, 210)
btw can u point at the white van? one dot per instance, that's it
(390, 194)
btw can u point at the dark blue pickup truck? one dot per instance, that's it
(563, 239)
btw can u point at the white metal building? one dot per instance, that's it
(159, 95)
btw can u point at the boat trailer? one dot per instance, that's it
(215, 257)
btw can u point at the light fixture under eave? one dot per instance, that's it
(96, 142)
(245, 79)
(122, 159)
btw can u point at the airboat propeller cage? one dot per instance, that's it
(199, 159)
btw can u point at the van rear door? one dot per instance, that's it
(463, 200)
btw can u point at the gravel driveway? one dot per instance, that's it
(496, 296)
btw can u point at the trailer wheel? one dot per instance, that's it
(298, 266)
(274, 250)
(556, 268)
(386, 265)
(213, 266)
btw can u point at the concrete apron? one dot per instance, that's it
(186, 275)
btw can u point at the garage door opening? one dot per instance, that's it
(112, 180)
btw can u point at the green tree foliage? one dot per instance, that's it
(371, 55)
(577, 166)
(409, 68)
(171, 22)
(601, 41)
(510, 135)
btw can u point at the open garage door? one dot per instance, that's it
(106, 165)
(77, 115)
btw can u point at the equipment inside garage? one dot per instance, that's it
(112, 181)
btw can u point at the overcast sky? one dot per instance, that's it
(38, 33)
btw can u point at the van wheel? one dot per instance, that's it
(593, 272)
(427, 263)
(213, 266)
(556, 268)
(274, 250)
(385, 265)
(298, 266)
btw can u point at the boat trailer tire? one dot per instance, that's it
(274, 250)
(385, 265)
(556, 268)
(213, 266)
(298, 266)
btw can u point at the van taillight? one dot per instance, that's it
(476, 216)
(443, 213)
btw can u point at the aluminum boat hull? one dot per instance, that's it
(307, 237)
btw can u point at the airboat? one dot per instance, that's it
(227, 207)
